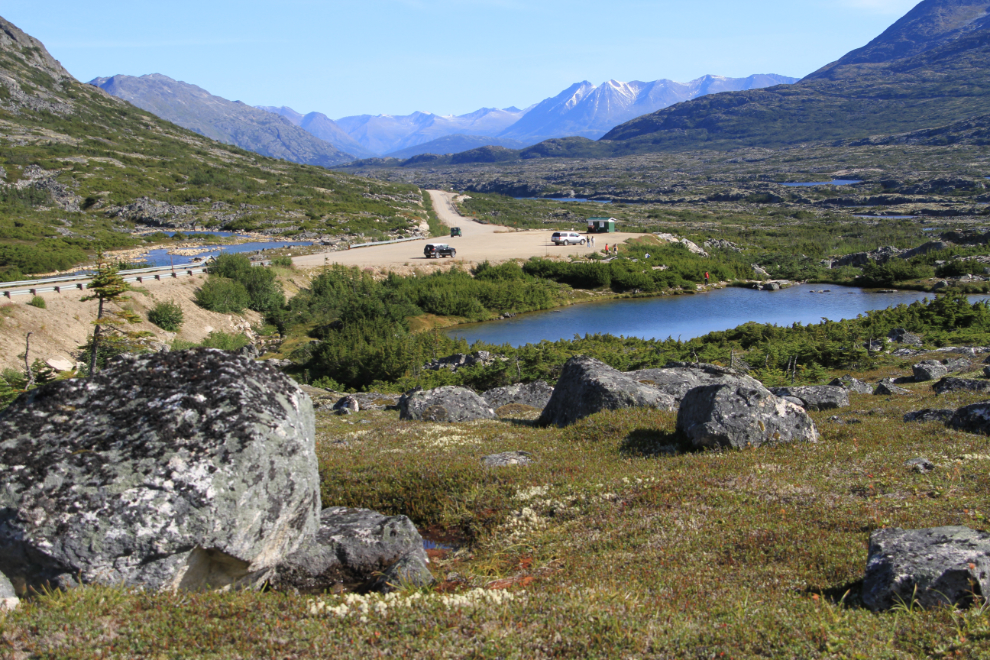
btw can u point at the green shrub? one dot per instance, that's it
(282, 262)
(38, 302)
(166, 315)
(225, 341)
(219, 294)
(264, 292)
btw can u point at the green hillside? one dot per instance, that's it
(81, 170)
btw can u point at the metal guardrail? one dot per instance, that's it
(398, 240)
(79, 283)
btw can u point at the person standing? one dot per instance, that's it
(706, 278)
(606, 249)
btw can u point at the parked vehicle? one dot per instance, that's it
(433, 250)
(455, 231)
(567, 238)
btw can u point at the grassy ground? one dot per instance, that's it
(617, 542)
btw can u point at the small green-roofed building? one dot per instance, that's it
(601, 225)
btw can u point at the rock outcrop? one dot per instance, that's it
(678, 378)
(350, 548)
(587, 386)
(507, 459)
(974, 418)
(886, 387)
(460, 360)
(184, 470)
(902, 336)
(930, 415)
(816, 397)
(851, 384)
(942, 566)
(444, 404)
(8, 597)
(741, 416)
(535, 395)
(961, 385)
(929, 370)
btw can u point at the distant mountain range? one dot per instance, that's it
(231, 122)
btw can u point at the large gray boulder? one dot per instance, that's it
(444, 404)
(182, 470)
(974, 418)
(930, 415)
(929, 370)
(816, 397)
(679, 378)
(886, 387)
(587, 386)
(8, 597)
(942, 566)
(741, 416)
(961, 385)
(902, 336)
(536, 395)
(851, 384)
(350, 547)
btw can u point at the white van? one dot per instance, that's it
(567, 238)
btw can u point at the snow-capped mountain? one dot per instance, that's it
(585, 110)
(321, 126)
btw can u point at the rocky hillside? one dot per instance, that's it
(81, 169)
(226, 121)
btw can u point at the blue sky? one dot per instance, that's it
(346, 57)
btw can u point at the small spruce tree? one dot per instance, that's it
(108, 288)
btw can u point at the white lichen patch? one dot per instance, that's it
(381, 606)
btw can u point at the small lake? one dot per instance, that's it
(687, 316)
(566, 199)
(224, 234)
(834, 182)
(161, 257)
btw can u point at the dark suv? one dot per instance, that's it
(438, 250)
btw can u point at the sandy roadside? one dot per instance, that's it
(479, 243)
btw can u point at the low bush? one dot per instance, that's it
(167, 315)
(225, 341)
(282, 262)
(223, 295)
(38, 302)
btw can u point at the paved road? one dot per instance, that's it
(479, 243)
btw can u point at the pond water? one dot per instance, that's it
(687, 316)
(224, 234)
(889, 217)
(161, 257)
(834, 182)
(566, 199)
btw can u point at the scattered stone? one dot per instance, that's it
(61, 364)
(886, 387)
(939, 286)
(347, 405)
(508, 458)
(974, 418)
(8, 597)
(902, 336)
(587, 386)
(986, 372)
(852, 385)
(181, 470)
(460, 360)
(930, 415)
(536, 395)
(349, 548)
(760, 272)
(959, 364)
(929, 370)
(740, 416)
(961, 385)
(921, 465)
(679, 378)
(816, 397)
(444, 404)
(249, 351)
(942, 566)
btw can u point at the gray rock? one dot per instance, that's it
(460, 360)
(902, 336)
(874, 346)
(930, 415)
(347, 405)
(932, 567)
(886, 387)
(587, 386)
(350, 547)
(929, 370)
(986, 372)
(793, 399)
(974, 418)
(959, 364)
(181, 470)
(507, 459)
(921, 465)
(740, 416)
(816, 397)
(679, 378)
(410, 570)
(961, 385)
(8, 597)
(535, 395)
(940, 285)
(444, 404)
(250, 351)
(851, 384)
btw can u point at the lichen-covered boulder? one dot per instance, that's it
(741, 416)
(679, 378)
(816, 397)
(8, 597)
(536, 395)
(929, 370)
(941, 566)
(350, 548)
(587, 386)
(189, 470)
(974, 418)
(507, 459)
(347, 405)
(444, 404)
(851, 384)
(951, 384)
(930, 415)
(886, 387)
